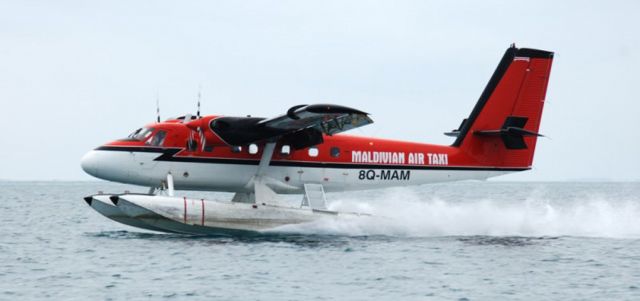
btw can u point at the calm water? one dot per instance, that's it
(465, 241)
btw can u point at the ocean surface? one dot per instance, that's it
(462, 241)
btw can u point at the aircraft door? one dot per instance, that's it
(312, 174)
(337, 178)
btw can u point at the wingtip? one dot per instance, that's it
(88, 199)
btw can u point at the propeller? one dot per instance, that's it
(201, 138)
(196, 133)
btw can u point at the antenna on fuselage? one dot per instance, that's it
(158, 107)
(199, 97)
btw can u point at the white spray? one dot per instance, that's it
(407, 213)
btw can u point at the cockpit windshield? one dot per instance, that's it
(141, 134)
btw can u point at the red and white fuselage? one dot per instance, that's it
(217, 153)
(361, 163)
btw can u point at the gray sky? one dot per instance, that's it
(75, 74)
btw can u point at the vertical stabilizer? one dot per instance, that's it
(502, 129)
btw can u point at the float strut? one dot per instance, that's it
(169, 184)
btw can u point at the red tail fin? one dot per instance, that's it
(503, 127)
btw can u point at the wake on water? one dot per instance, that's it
(408, 213)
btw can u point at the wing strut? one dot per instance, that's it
(261, 192)
(267, 153)
(264, 194)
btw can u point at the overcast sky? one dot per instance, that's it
(75, 74)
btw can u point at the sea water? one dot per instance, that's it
(460, 241)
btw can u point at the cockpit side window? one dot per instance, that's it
(158, 138)
(141, 134)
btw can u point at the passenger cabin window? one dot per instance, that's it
(285, 150)
(335, 152)
(236, 149)
(313, 152)
(158, 138)
(253, 148)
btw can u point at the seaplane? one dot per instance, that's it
(305, 151)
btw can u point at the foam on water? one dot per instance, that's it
(403, 212)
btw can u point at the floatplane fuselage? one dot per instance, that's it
(340, 163)
(305, 152)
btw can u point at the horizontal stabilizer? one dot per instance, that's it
(456, 132)
(512, 132)
(509, 130)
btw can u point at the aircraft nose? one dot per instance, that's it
(89, 163)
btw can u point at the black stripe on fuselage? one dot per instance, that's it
(169, 154)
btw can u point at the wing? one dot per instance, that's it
(301, 126)
(329, 119)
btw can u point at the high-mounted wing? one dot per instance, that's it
(329, 119)
(301, 126)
